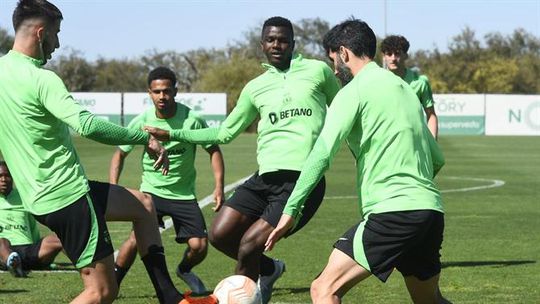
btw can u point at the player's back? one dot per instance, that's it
(391, 143)
(35, 143)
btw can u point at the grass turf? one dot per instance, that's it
(490, 252)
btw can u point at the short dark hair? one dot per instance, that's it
(3, 163)
(395, 43)
(28, 9)
(278, 21)
(354, 34)
(161, 73)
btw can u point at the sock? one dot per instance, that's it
(120, 273)
(154, 261)
(267, 266)
(184, 266)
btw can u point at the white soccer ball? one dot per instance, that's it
(238, 289)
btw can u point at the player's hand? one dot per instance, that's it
(219, 197)
(158, 133)
(159, 154)
(286, 222)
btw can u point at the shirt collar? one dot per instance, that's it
(19, 55)
(296, 59)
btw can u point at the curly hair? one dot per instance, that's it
(395, 43)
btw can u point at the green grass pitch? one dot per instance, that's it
(491, 250)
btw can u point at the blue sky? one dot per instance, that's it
(128, 28)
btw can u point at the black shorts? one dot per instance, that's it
(186, 215)
(406, 240)
(81, 226)
(265, 196)
(30, 255)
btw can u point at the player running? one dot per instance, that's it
(173, 194)
(291, 98)
(396, 158)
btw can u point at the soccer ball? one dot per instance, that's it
(237, 289)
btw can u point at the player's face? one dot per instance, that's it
(395, 60)
(49, 41)
(6, 182)
(341, 70)
(277, 45)
(162, 92)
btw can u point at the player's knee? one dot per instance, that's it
(319, 290)
(217, 239)
(249, 247)
(146, 201)
(198, 246)
(105, 294)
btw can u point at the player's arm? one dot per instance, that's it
(437, 157)
(432, 121)
(117, 164)
(238, 120)
(426, 98)
(218, 167)
(340, 119)
(57, 100)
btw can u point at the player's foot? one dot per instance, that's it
(14, 265)
(266, 283)
(211, 299)
(193, 281)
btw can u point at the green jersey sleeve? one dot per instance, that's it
(339, 121)
(135, 124)
(240, 118)
(57, 100)
(424, 93)
(437, 156)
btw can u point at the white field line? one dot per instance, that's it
(494, 183)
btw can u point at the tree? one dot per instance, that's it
(77, 73)
(120, 75)
(6, 41)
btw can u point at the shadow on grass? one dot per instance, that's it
(282, 291)
(3, 291)
(485, 263)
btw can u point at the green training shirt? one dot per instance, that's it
(179, 184)
(420, 85)
(396, 155)
(292, 107)
(16, 224)
(36, 110)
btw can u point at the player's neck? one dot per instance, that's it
(401, 71)
(27, 47)
(167, 112)
(357, 64)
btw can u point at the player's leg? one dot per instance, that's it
(190, 228)
(5, 249)
(421, 265)
(83, 232)
(425, 291)
(10, 259)
(251, 249)
(131, 205)
(338, 277)
(227, 230)
(48, 250)
(99, 282)
(125, 258)
(240, 211)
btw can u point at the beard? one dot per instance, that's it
(344, 74)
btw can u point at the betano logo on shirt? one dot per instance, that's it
(13, 227)
(274, 117)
